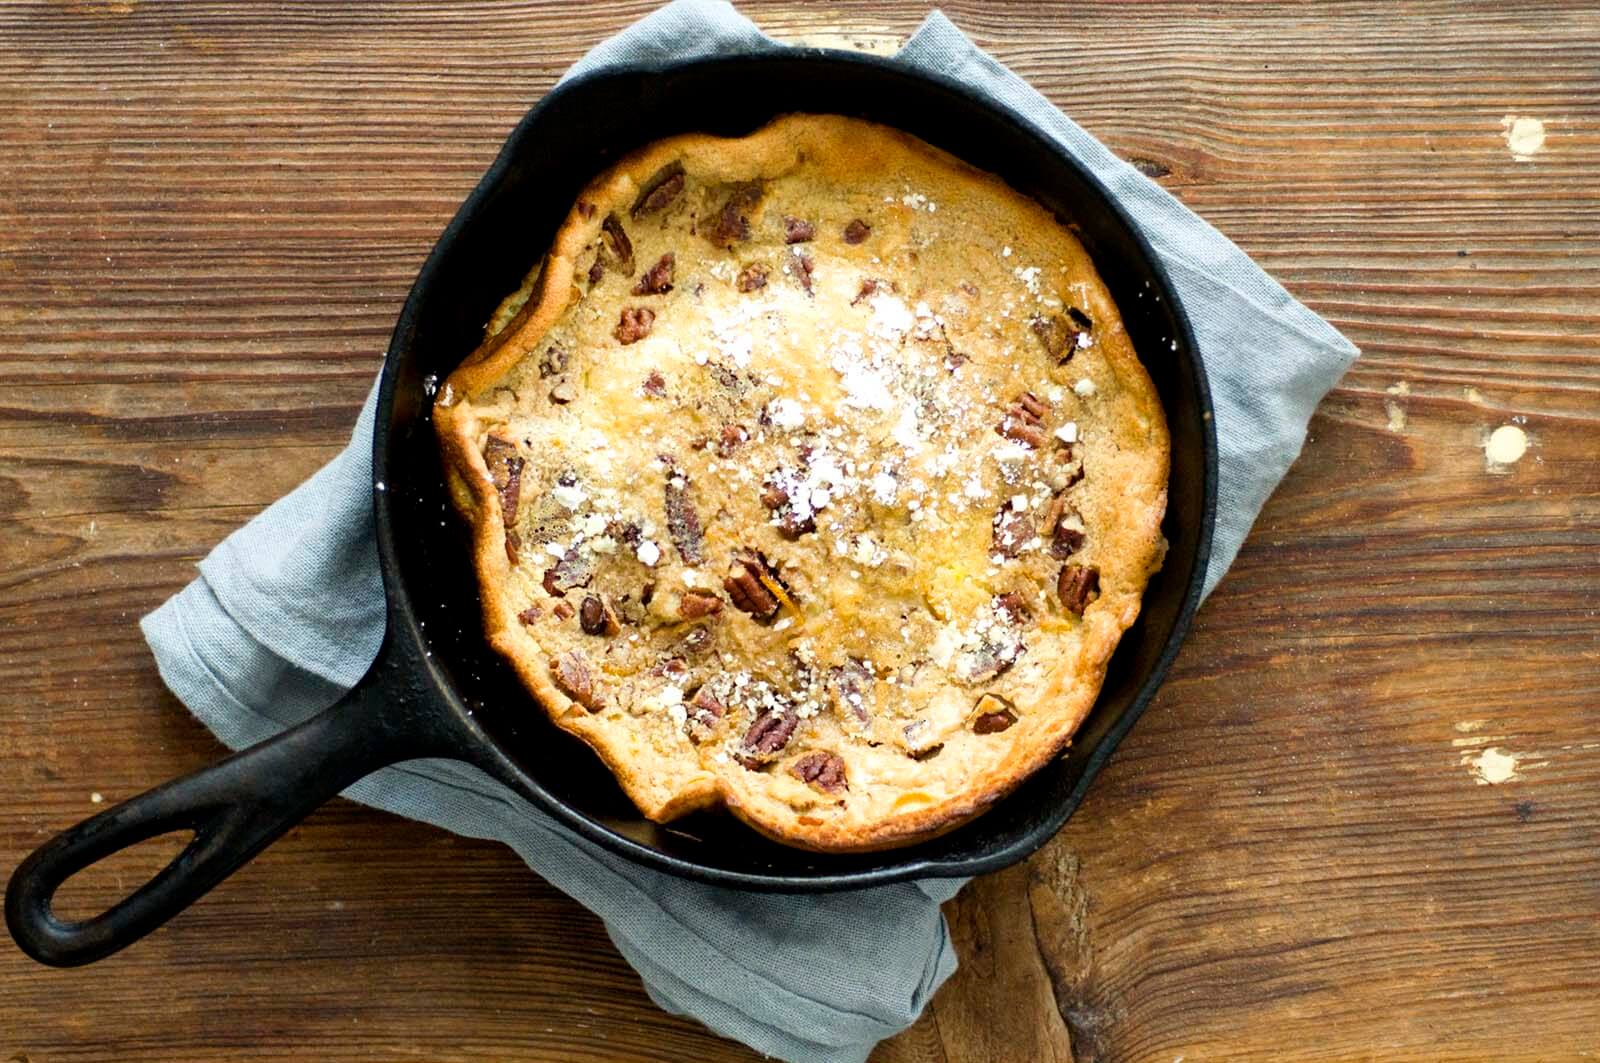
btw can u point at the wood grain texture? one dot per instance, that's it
(209, 215)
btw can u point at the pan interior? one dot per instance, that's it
(579, 130)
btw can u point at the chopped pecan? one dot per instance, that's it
(851, 684)
(767, 737)
(597, 269)
(1024, 420)
(955, 360)
(505, 469)
(856, 231)
(747, 587)
(672, 668)
(801, 267)
(918, 745)
(733, 221)
(575, 569)
(870, 286)
(988, 660)
(647, 592)
(655, 385)
(993, 714)
(530, 615)
(585, 209)
(563, 610)
(696, 641)
(1064, 525)
(1077, 586)
(821, 770)
(554, 361)
(730, 439)
(788, 519)
(616, 248)
(798, 230)
(572, 676)
(752, 278)
(634, 324)
(513, 545)
(1013, 530)
(702, 713)
(657, 280)
(563, 392)
(727, 379)
(1013, 608)
(683, 523)
(597, 617)
(694, 604)
(1056, 335)
(659, 192)
(1070, 455)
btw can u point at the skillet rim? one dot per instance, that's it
(480, 747)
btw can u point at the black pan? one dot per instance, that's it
(436, 690)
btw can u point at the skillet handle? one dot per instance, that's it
(235, 808)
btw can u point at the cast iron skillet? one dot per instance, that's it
(436, 690)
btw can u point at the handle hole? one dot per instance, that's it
(108, 881)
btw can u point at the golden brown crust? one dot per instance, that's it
(706, 231)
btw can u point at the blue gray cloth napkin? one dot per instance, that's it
(288, 612)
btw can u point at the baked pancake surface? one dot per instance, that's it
(813, 474)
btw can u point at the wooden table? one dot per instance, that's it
(1361, 819)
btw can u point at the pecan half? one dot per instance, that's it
(634, 324)
(694, 604)
(747, 588)
(1077, 586)
(821, 770)
(683, 523)
(554, 361)
(798, 231)
(1013, 530)
(596, 617)
(615, 247)
(573, 678)
(752, 278)
(657, 280)
(702, 713)
(993, 715)
(856, 231)
(767, 737)
(659, 192)
(505, 469)
(733, 221)
(1024, 420)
